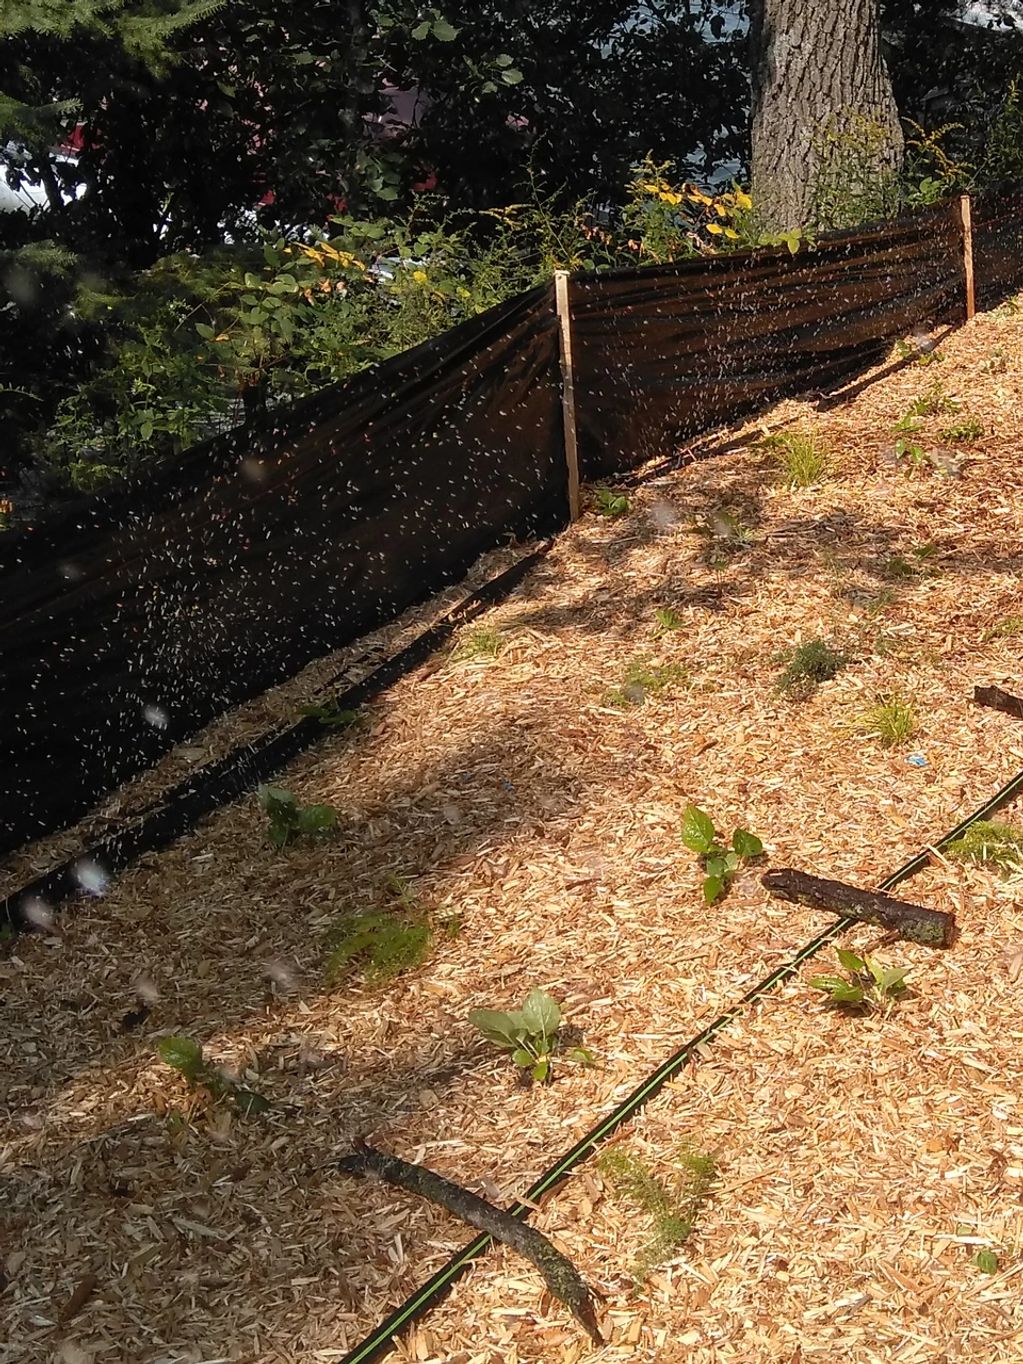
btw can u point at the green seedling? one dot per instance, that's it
(986, 1260)
(932, 403)
(530, 1034)
(914, 455)
(890, 719)
(962, 432)
(483, 642)
(866, 985)
(1008, 628)
(907, 423)
(808, 665)
(380, 944)
(667, 620)
(331, 715)
(288, 820)
(643, 679)
(185, 1055)
(672, 1209)
(719, 863)
(803, 460)
(986, 843)
(609, 503)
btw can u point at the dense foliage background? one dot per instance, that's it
(241, 201)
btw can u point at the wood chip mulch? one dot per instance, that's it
(863, 1161)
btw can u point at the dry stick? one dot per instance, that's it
(560, 1274)
(999, 700)
(561, 301)
(932, 927)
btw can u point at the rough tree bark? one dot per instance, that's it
(823, 108)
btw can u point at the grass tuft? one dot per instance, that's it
(642, 679)
(803, 460)
(483, 642)
(672, 1209)
(808, 665)
(891, 720)
(989, 844)
(1008, 628)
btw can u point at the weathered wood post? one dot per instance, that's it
(966, 219)
(567, 390)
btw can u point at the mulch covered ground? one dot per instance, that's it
(505, 794)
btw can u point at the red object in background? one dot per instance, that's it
(428, 182)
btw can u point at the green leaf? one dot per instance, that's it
(731, 861)
(184, 1054)
(500, 1028)
(850, 960)
(713, 888)
(746, 844)
(986, 1261)
(716, 866)
(511, 77)
(697, 830)
(542, 1069)
(277, 802)
(521, 1057)
(249, 1103)
(582, 1056)
(443, 31)
(828, 983)
(502, 59)
(847, 994)
(316, 819)
(280, 833)
(892, 981)
(205, 330)
(540, 1013)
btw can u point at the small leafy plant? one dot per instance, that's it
(288, 820)
(962, 432)
(643, 679)
(331, 715)
(933, 402)
(381, 943)
(719, 863)
(986, 1260)
(987, 843)
(609, 503)
(803, 460)
(908, 422)
(667, 620)
(185, 1055)
(808, 666)
(914, 455)
(891, 720)
(530, 1034)
(866, 985)
(672, 1209)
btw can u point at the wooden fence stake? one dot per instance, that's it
(966, 218)
(567, 391)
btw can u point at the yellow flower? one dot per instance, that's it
(721, 210)
(669, 198)
(650, 188)
(742, 199)
(716, 228)
(419, 276)
(698, 197)
(731, 232)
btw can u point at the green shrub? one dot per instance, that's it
(809, 665)
(671, 1209)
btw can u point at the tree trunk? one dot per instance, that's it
(827, 142)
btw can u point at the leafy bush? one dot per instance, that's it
(288, 820)
(672, 1209)
(865, 984)
(530, 1034)
(719, 863)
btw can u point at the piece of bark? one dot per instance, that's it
(83, 1292)
(559, 1273)
(999, 700)
(932, 927)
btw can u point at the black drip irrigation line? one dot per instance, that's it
(218, 783)
(379, 1342)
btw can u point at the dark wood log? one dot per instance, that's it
(999, 700)
(559, 1273)
(932, 927)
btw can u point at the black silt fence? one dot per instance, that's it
(133, 619)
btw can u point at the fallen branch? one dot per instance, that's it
(931, 927)
(999, 700)
(559, 1273)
